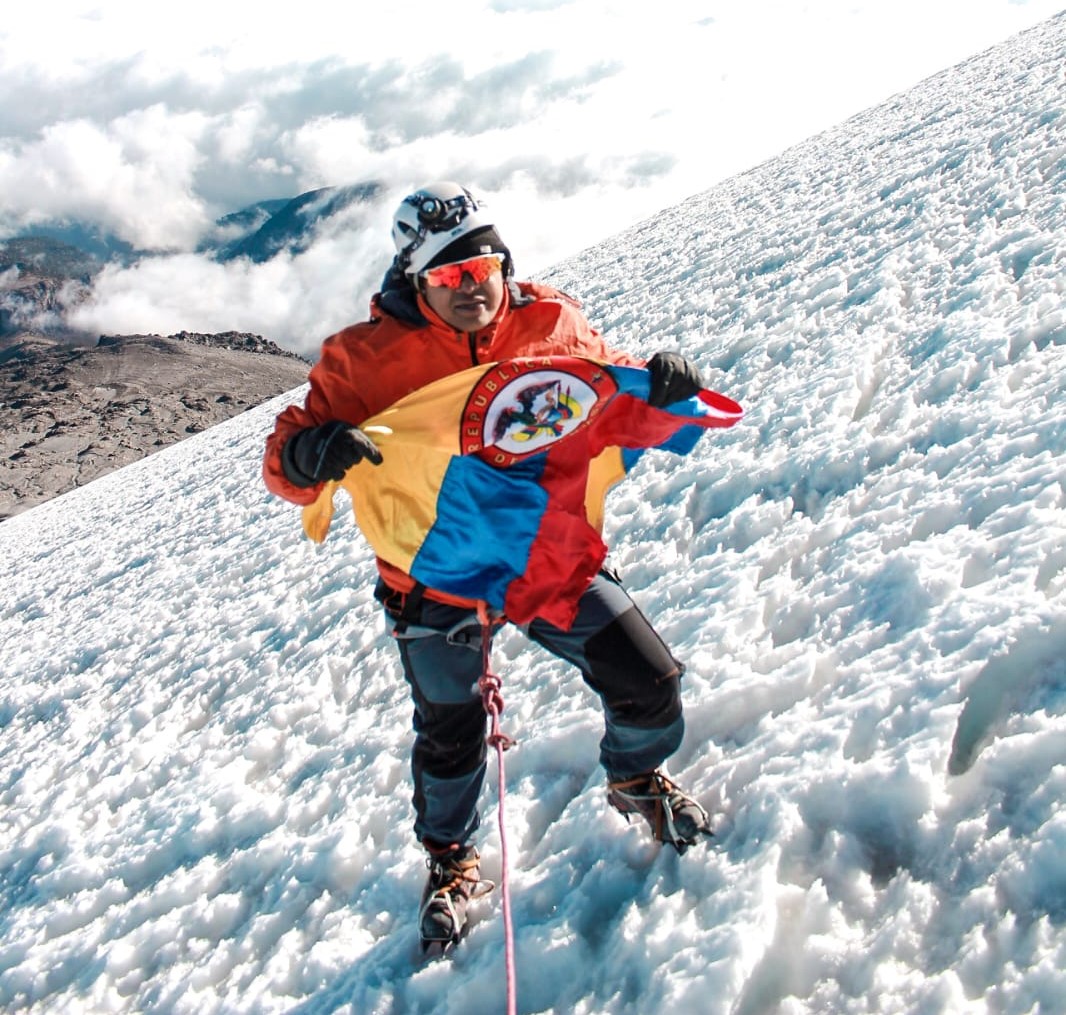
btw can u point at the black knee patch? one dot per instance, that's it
(451, 734)
(451, 739)
(634, 672)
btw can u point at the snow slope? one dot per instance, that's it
(203, 758)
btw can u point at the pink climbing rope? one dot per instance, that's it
(490, 687)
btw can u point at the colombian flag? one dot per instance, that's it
(493, 480)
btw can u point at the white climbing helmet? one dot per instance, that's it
(434, 217)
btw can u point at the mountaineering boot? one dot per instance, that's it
(675, 818)
(454, 879)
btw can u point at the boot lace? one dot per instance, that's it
(660, 801)
(451, 874)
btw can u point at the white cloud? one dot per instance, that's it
(294, 300)
(329, 149)
(133, 176)
(579, 118)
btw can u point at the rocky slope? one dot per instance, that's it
(69, 414)
(73, 408)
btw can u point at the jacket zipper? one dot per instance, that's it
(471, 337)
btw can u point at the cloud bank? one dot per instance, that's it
(577, 118)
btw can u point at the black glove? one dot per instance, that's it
(325, 452)
(673, 379)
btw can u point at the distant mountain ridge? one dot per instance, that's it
(48, 257)
(258, 231)
(289, 226)
(50, 268)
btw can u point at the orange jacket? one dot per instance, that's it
(367, 367)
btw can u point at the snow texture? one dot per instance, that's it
(203, 758)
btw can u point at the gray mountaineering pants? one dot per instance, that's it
(612, 644)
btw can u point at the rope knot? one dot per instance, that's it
(490, 687)
(501, 740)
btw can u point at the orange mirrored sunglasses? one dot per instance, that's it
(451, 275)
